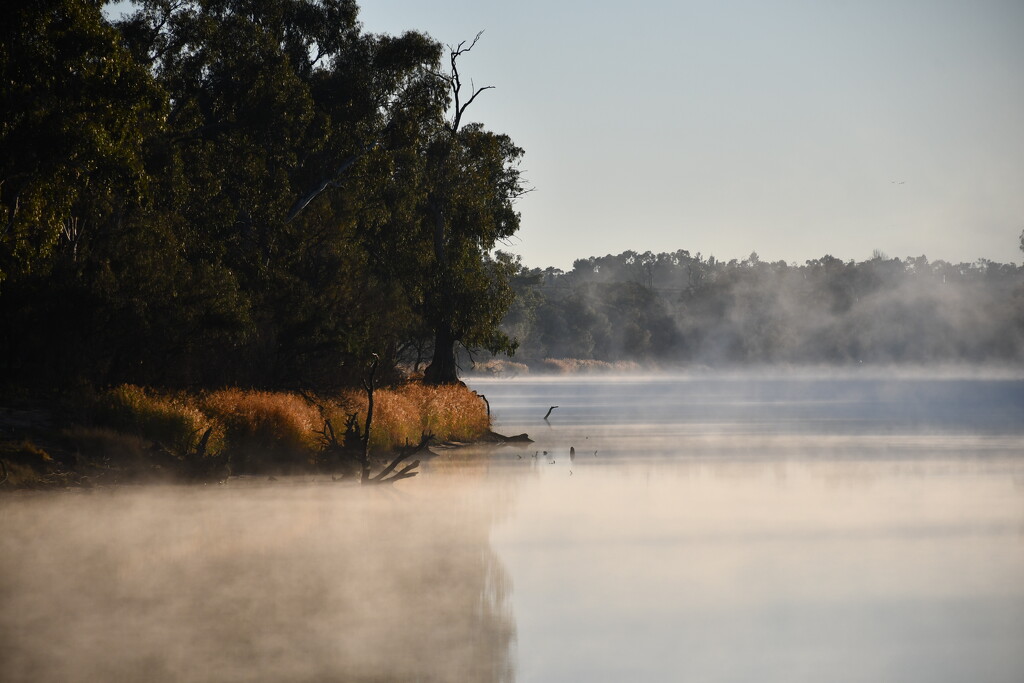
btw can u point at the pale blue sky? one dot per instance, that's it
(794, 128)
(724, 127)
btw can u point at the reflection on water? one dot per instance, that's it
(780, 529)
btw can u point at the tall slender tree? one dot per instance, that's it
(474, 181)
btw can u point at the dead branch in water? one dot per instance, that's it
(403, 453)
(549, 412)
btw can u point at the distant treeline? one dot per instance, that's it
(679, 306)
(208, 193)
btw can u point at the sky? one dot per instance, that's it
(791, 128)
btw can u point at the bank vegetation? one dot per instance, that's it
(130, 434)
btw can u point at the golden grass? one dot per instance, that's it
(403, 414)
(450, 413)
(263, 419)
(171, 420)
(267, 430)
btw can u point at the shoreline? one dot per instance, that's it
(136, 435)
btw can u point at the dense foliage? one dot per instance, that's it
(238, 192)
(685, 307)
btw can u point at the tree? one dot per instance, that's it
(77, 108)
(474, 181)
(288, 133)
(253, 192)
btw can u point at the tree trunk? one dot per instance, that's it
(442, 369)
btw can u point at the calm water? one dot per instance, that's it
(705, 528)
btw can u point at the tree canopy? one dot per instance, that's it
(211, 192)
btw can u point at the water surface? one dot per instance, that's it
(706, 528)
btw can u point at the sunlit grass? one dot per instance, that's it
(450, 413)
(262, 424)
(403, 414)
(266, 430)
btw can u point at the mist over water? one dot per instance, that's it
(289, 581)
(772, 526)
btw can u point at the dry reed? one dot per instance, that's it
(168, 419)
(274, 421)
(403, 414)
(273, 430)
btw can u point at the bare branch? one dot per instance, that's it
(455, 81)
(478, 91)
(406, 472)
(456, 51)
(403, 454)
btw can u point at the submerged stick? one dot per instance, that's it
(549, 412)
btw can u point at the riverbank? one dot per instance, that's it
(131, 434)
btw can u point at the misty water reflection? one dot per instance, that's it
(766, 528)
(782, 529)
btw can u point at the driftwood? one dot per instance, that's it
(547, 414)
(495, 437)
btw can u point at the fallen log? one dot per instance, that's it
(495, 437)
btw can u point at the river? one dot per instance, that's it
(786, 526)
